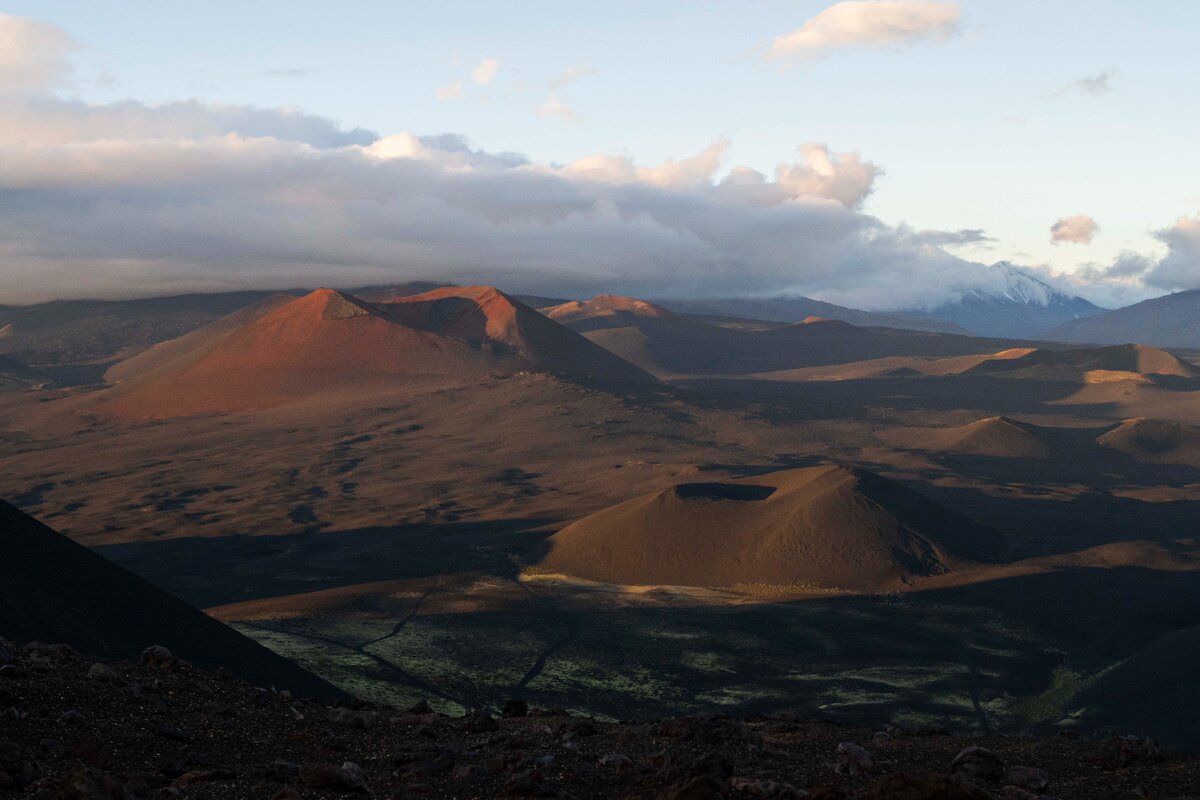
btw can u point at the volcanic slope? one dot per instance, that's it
(997, 437)
(54, 590)
(1155, 441)
(332, 344)
(485, 314)
(1092, 365)
(604, 306)
(810, 529)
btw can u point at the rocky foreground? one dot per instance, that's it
(72, 727)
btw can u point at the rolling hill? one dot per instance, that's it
(1155, 441)
(328, 343)
(814, 528)
(1097, 364)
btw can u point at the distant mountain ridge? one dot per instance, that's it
(1172, 320)
(792, 309)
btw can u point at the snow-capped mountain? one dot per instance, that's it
(1012, 302)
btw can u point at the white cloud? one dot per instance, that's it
(452, 91)
(1180, 267)
(570, 75)
(50, 120)
(1079, 229)
(554, 108)
(33, 54)
(134, 200)
(868, 23)
(485, 71)
(1095, 85)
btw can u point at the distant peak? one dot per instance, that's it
(338, 305)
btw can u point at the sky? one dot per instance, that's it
(870, 152)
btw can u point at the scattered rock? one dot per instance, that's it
(281, 771)
(751, 787)
(13, 672)
(927, 787)
(157, 656)
(615, 761)
(57, 652)
(205, 776)
(853, 760)
(1031, 779)
(978, 762)
(515, 708)
(1128, 751)
(352, 719)
(18, 768)
(702, 787)
(82, 782)
(480, 722)
(318, 775)
(103, 672)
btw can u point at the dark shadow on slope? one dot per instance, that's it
(213, 571)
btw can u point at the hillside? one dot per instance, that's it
(486, 315)
(328, 343)
(997, 437)
(54, 590)
(1155, 441)
(818, 528)
(1098, 364)
(1172, 320)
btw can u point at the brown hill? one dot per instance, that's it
(1155, 440)
(1092, 364)
(826, 527)
(484, 314)
(324, 341)
(999, 437)
(54, 590)
(604, 305)
(329, 342)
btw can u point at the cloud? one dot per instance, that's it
(959, 238)
(554, 108)
(33, 55)
(572, 74)
(868, 23)
(130, 199)
(1095, 85)
(50, 121)
(452, 91)
(1180, 267)
(1079, 229)
(1138, 275)
(485, 71)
